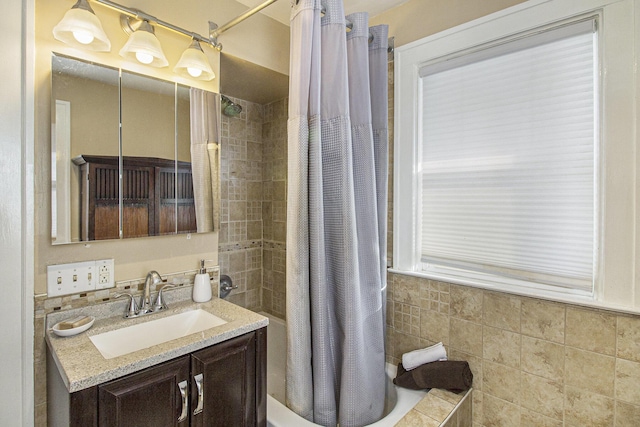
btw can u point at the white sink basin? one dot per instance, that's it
(143, 335)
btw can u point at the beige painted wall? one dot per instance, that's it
(261, 40)
(416, 19)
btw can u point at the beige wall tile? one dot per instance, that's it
(238, 298)
(542, 395)
(627, 415)
(237, 262)
(466, 336)
(417, 419)
(435, 407)
(40, 415)
(533, 419)
(498, 413)
(543, 358)
(501, 346)
(237, 211)
(406, 319)
(447, 395)
(464, 413)
(477, 412)
(628, 381)
(501, 381)
(591, 330)
(583, 408)
(466, 303)
(40, 389)
(407, 290)
(590, 371)
(629, 338)
(452, 421)
(403, 343)
(40, 345)
(543, 319)
(254, 230)
(280, 231)
(434, 326)
(501, 311)
(475, 363)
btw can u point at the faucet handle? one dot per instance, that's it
(160, 304)
(132, 310)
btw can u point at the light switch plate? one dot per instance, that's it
(77, 277)
(71, 278)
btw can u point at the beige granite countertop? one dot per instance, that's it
(81, 365)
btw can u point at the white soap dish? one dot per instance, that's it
(73, 331)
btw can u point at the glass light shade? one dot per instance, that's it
(144, 47)
(194, 63)
(81, 28)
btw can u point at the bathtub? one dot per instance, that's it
(399, 400)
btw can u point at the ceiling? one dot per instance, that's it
(280, 9)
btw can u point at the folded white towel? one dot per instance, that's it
(415, 358)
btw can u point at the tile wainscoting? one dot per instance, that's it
(535, 362)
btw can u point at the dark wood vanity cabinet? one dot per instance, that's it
(157, 197)
(225, 386)
(148, 398)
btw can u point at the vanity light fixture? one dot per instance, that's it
(80, 27)
(144, 46)
(194, 63)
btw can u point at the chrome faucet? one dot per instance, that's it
(153, 278)
(145, 307)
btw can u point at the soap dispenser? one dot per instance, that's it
(202, 285)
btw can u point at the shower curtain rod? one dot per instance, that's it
(214, 30)
(240, 18)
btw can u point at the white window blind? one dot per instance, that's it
(508, 160)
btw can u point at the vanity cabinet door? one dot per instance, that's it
(228, 391)
(149, 398)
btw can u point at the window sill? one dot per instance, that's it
(580, 300)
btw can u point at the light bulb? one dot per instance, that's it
(194, 72)
(144, 57)
(84, 37)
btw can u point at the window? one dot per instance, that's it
(513, 168)
(507, 153)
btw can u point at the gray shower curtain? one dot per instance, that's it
(336, 216)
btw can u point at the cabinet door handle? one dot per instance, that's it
(200, 386)
(182, 385)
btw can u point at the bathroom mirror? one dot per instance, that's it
(121, 162)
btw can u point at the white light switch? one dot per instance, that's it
(73, 278)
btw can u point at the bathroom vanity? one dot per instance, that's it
(216, 377)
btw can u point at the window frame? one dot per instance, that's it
(615, 277)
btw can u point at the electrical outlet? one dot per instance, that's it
(71, 278)
(105, 274)
(65, 279)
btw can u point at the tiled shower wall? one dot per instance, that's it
(253, 204)
(535, 363)
(274, 207)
